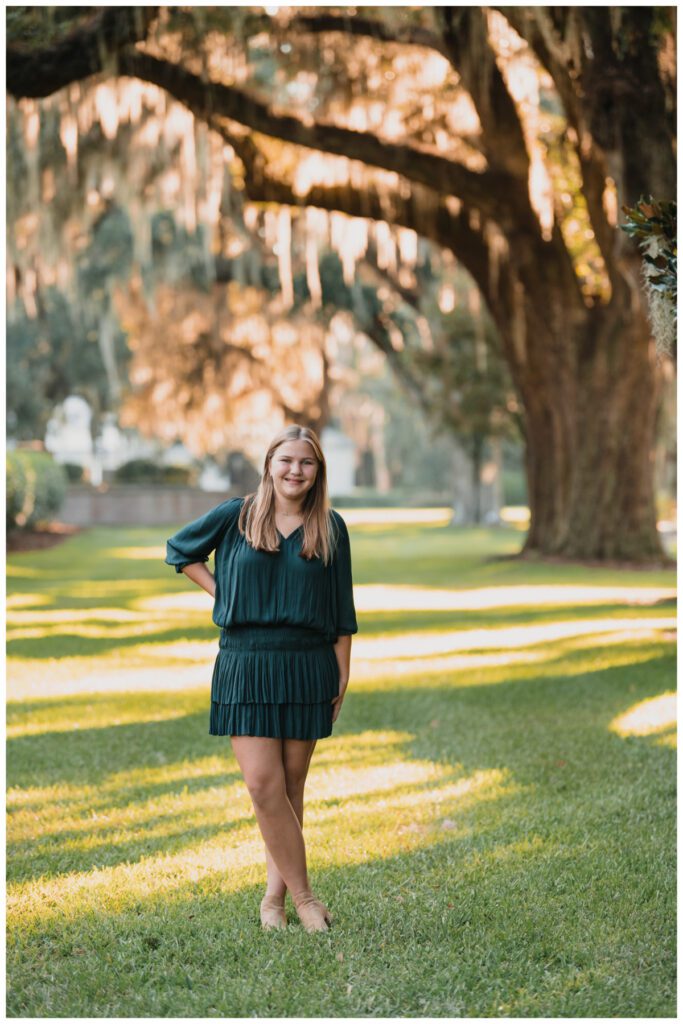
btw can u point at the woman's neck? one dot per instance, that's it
(290, 510)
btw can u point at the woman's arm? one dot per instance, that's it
(199, 574)
(342, 649)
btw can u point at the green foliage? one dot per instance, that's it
(138, 471)
(652, 220)
(57, 352)
(74, 472)
(109, 255)
(144, 471)
(36, 27)
(652, 223)
(181, 475)
(469, 380)
(35, 488)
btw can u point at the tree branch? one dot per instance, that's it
(467, 44)
(411, 35)
(421, 210)
(537, 28)
(211, 99)
(35, 73)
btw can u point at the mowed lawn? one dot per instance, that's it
(492, 822)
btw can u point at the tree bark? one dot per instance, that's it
(590, 426)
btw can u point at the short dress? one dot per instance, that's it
(276, 672)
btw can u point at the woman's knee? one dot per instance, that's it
(264, 789)
(294, 786)
(260, 760)
(296, 760)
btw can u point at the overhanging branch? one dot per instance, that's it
(411, 35)
(36, 73)
(210, 99)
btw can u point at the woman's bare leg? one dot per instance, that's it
(296, 758)
(261, 762)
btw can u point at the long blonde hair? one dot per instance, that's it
(257, 515)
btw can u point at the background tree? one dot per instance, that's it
(456, 113)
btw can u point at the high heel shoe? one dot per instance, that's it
(273, 912)
(313, 914)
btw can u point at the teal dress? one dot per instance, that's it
(276, 672)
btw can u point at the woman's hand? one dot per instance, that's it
(337, 701)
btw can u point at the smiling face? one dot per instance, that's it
(293, 468)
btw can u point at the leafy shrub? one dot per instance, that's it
(74, 472)
(176, 475)
(144, 471)
(36, 487)
(139, 471)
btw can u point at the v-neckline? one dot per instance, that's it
(289, 534)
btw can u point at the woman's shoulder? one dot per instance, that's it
(339, 524)
(229, 505)
(227, 510)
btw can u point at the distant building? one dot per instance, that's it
(340, 456)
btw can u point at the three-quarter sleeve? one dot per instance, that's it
(196, 541)
(345, 610)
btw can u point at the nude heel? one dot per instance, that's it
(273, 912)
(313, 914)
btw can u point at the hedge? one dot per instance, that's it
(36, 487)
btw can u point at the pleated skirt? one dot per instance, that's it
(276, 681)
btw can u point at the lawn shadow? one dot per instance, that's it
(489, 917)
(464, 728)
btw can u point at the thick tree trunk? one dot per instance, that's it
(590, 423)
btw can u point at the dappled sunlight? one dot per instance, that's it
(94, 717)
(180, 601)
(152, 552)
(80, 616)
(656, 633)
(667, 738)
(122, 672)
(111, 813)
(97, 589)
(367, 668)
(399, 598)
(54, 798)
(25, 601)
(147, 612)
(354, 814)
(485, 784)
(416, 645)
(182, 651)
(102, 632)
(647, 717)
(19, 569)
(181, 665)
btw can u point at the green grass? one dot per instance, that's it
(492, 822)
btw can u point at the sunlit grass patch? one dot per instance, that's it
(656, 715)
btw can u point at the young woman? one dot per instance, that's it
(283, 597)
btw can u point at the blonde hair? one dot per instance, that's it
(257, 516)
